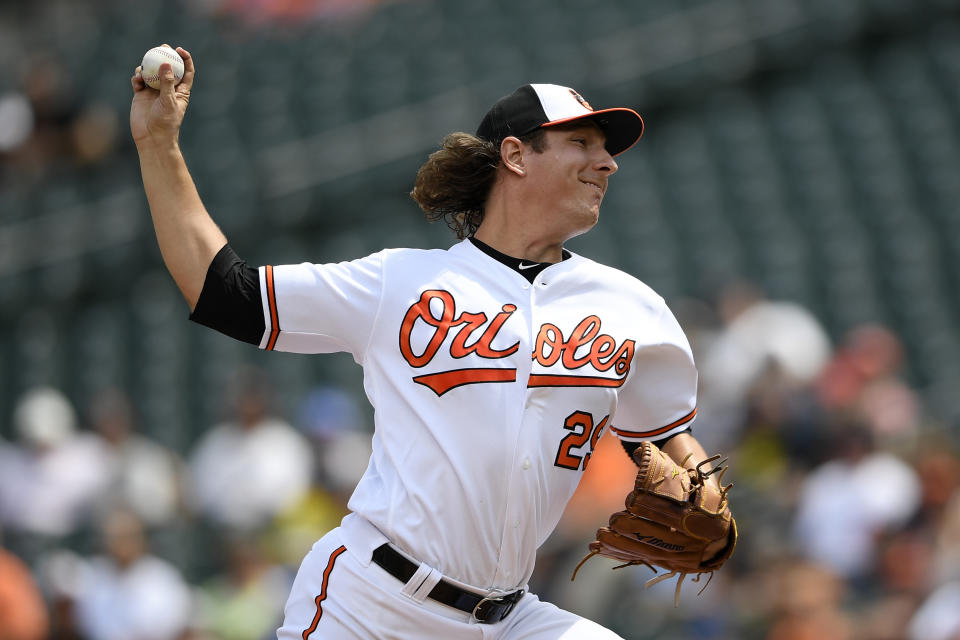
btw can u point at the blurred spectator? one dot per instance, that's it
(16, 121)
(808, 605)
(299, 526)
(44, 126)
(939, 469)
(938, 618)
(331, 419)
(61, 573)
(141, 473)
(23, 614)
(94, 133)
(128, 593)
(8, 457)
(247, 470)
(46, 115)
(947, 544)
(757, 336)
(864, 376)
(246, 602)
(757, 332)
(782, 429)
(846, 503)
(902, 577)
(50, 481)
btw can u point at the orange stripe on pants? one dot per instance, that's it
(323, 591)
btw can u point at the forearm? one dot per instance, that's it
(187, 235)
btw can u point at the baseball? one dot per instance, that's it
(151, 65)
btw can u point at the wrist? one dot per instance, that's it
(157, 146)
(159, 153)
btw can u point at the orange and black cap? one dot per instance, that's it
(533, 106)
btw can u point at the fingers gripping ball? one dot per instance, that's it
(151, 65)
(674, 519)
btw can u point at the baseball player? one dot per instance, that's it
(493, 367)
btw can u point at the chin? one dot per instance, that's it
(593, 217)
(582, 229)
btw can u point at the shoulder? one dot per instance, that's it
(613, 280)
(412, 255)
(459, 256)
(461, 250)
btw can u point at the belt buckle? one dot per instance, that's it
(480, 614)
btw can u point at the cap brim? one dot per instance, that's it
(623, 127)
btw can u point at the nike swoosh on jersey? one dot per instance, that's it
(528, 266)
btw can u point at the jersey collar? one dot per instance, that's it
(526, 268)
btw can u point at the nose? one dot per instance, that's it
(605, 162)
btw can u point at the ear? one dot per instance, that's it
(511, 155)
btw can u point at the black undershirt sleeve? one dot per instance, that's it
(630, 447)
(230, 300)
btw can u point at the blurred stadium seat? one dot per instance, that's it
(816, 154)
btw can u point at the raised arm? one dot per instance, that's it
(187, 235)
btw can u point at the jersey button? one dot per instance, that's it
(526, 464)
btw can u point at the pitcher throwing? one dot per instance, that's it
(493, 367)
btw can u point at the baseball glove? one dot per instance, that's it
(674, 519)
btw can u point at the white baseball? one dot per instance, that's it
(151, 65)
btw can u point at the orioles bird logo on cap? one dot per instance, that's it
(581, 100)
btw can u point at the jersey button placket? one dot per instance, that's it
(516, 507)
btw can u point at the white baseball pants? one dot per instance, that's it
(339, 596)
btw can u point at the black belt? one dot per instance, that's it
(485, 609)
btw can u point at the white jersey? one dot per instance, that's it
(489, 391)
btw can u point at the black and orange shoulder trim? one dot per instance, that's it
(230, 300)
(628, 433)
(272, 308)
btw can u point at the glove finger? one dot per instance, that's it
(617, 550)
(629, 524)
(653, 543)
(656, 508)
(693, 523)
(706, 526)
(718, 559)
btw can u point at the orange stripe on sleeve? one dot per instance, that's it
(272, 305)
(626, 433)
(323, 591)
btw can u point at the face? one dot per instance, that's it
(572, 172)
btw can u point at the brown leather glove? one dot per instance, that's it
(674, 519)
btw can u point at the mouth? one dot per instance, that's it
(595, 185)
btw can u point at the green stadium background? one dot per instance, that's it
(810, 147)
